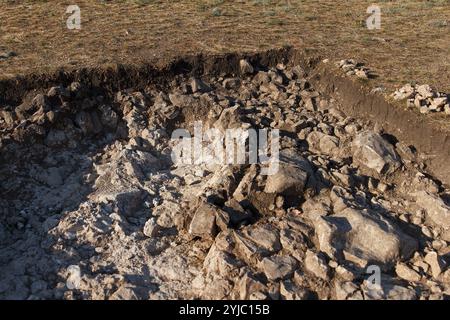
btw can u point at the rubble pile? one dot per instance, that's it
(353, 68)
(423, 98)
(93, 205)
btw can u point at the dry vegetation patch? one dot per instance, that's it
(412, 45)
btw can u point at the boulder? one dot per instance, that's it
(233, 213)
(329, 144)
(406, 273)
(425, 91)
(278, 267)
(25, 110)
(128, 202)
(315, 264)
(387, 289)
(257, 242)
(181, 100)
(249, 285)
(261, 78)
(289, 180)
(229, 119)
(436, 210)
(365, 235)
(203, 223)
(347, 291)
(291, 177)
(436, 263)
(221, 263)
(372, 151)
(73, 281)
(264, 237)
(129, 292)
(8, 116)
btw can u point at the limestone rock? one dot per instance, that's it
(8, 116)
(365, 235)
(249, 285)
(405, 272)
(278, 267)
(264, 237)
(151, 228)
(436, 263)
(229, 119)
(221, 263)
(372, 151)
(316, 265)
(128, 202)
(246, 67)
(74, 278)
(290, 291)
(289, 180)
(436, 210)
(388, 289)
(347, 291)
(203, 223)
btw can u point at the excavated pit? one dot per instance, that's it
(94, 207)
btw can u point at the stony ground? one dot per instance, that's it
(96, 209)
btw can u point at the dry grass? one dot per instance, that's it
(413, 44)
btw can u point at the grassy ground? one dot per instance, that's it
(413, 44)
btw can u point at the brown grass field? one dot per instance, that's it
(412, 45)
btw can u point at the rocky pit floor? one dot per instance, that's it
(92, 206)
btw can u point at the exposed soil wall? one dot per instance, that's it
(406, 125)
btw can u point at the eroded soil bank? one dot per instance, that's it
(93, 206)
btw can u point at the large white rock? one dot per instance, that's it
(292, 175)
(278, 267)
(372, 151)
(436, 210)
(289, 180)
(365, 235)
(316, 265)
(246, 67)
